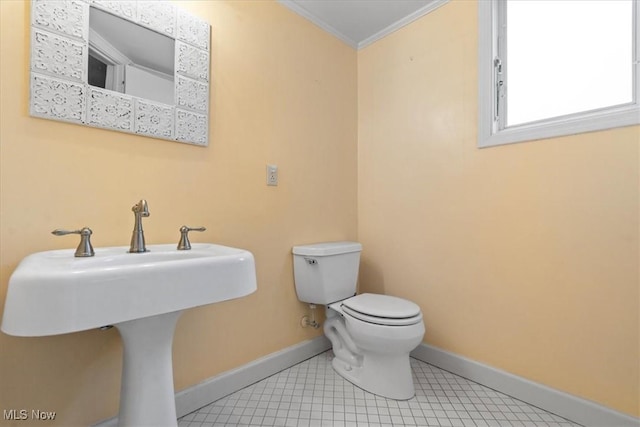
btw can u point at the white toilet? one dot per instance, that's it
(371, 334)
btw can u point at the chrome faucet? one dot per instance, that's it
(140, 210)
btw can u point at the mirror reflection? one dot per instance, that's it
(131, 59)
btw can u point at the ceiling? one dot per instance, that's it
(361, 22)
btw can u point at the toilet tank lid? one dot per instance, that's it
(327, 248)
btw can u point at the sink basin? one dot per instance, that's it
(141, 294)
(54, 293)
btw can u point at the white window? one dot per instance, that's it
(551, 68)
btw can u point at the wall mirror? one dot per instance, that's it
(135, 66)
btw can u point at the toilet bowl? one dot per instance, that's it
(374, 353)
(371, 335)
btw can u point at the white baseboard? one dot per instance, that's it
(560, 403)
(219, 386)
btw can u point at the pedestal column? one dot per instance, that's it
(147, 396)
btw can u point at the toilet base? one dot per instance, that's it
(380, 374)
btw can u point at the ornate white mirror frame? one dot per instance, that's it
(59, 61)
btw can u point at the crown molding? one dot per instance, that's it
(428, 8)
(295, 7)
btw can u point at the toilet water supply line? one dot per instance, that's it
(310, 322)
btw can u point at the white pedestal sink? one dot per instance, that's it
(141, 294)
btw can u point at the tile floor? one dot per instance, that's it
(312, 394)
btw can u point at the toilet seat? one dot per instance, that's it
(382, 310)
(384, 321)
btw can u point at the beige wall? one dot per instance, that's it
(523, 257)
(283, 92)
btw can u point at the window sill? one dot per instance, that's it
(609, 118)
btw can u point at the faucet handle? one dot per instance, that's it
(84, 248)
(184, 244)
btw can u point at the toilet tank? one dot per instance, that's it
(326, 272)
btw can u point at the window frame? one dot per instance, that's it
(491, 131)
